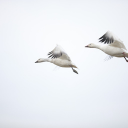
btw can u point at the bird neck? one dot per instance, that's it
(48, 60)
(101, 47)
(45, 60)
(98, 46)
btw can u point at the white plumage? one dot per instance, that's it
(114, 48)
(58, 57)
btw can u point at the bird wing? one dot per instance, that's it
(108, 58)
(58, 52)
(112, 40)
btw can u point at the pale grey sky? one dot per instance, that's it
(43, 96)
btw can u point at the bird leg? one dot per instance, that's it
(74, 70)
(125, 57)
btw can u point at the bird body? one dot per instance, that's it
(58, 57)
(63, 63)
(112, 51)
(58, 62)
(114, 48)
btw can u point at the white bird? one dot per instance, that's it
(60, 58)
(115, 47)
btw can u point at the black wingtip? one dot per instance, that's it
(49, 53)
(105, 39)
(50, 56)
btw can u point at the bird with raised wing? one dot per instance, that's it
(60, 58)
(115, 47)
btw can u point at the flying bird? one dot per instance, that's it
(115, 47)
(60, 58)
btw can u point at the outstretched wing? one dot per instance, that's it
(108, 58)
(112, 40)
(58, 52)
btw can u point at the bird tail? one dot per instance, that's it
(73, 65)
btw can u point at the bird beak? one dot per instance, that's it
(36, 62)
(86, 46)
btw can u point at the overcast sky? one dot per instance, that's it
(45, 96)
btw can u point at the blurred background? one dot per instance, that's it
(45, 96)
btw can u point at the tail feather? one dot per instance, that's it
(74, 66)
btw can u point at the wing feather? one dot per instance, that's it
(108, 58)
(112, 40)
(58, 52)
